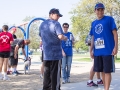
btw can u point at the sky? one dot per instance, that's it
(14, 11)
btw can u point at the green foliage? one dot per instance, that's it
(83, 14)
(33, 32)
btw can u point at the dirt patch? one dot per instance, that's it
(32, 81)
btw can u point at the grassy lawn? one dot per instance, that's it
(86, 58)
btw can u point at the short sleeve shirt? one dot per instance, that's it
(103, 36)
(5, 39)
(49, 31)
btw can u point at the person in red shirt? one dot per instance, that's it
(6, 40)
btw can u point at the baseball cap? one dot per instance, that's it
(55, 11)
(14, 29)
(99, 5)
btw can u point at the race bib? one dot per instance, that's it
(99, 43)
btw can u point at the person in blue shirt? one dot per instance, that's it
(51, 34)
(67, 54)
(104, 44)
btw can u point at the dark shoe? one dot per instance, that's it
(91, 84)
(18, 72)
(100, 82)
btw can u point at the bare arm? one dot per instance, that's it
(11, 42)
(63, 53)
(62, 37)
(91, 47)
(16, 50)
(115, 34)
(24, 52)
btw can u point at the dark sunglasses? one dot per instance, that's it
(65, 27)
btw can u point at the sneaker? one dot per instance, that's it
(100, 82)
(63, 81)
(68, 80)
(91, 84)
(41, 76)
(18, 72)
(14, 73)
(1, 77)
(6, 78)
(8, 72)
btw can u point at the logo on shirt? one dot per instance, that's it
(4, 38)
(98, 28)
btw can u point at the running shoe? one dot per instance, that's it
(63, 81)
(100, 82)
(6, 78)
(1, 77)
(91, 84)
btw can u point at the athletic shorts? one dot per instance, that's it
(13, 61)
(5, 54)
(104, 64)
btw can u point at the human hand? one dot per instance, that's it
(91, 54)
(115, 50)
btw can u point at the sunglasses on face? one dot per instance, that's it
(65, 27)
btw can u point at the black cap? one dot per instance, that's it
(55, 11)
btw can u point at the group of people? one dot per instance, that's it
(57, 48)
(9, 46)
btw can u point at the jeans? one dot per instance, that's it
(66, 67)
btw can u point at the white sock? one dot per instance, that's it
(5, 74)
(15, 69)
(98, 80)
(9, 69)
(0, 73)
(90, 81)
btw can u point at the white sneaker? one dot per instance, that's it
(68, 80)
(1, 77)
(63, 81)
(6, 78)
(41, 76)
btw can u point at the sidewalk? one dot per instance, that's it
(80, 74)
(115, 84)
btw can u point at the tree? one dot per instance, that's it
(83, 14)
(33, 32)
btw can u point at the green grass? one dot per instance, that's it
(86, 58)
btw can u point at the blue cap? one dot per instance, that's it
(99, 5)
(55, 11)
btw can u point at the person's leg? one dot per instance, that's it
(47, 75)
(107, 80)
(109, 67)
(92, 73)
(5, 66)
(98, 66)
(69, 62)
(13, 64)
(99, 80)
(90, 81)
(9, 71)
(42, 69)
(64, 69)
(55, 74)
(1, 64)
